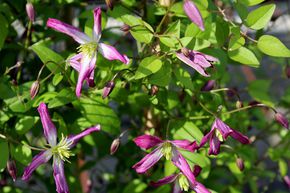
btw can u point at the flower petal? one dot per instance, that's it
(196, 170)
(75, 138)
(207, 57)
(97, 24)
(176, 188)
(206, 138)
(201, 60)
(147, 141)
(111, 53)
(179, 161)
(189, 62)
(48, 127)
(87, 63)
(199, 188)
(193, 13)
(74, 61)
(214, 145)
(69, 30)
(39, 159)
(240, 137)
(165, 180)
(224, 129)
(59, 177)
(185, 144)
(148, 161)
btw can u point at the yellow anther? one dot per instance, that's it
(62, 149)
(183, 183)
(167, 150)
(88, 48)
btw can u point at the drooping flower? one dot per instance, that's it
(281, 119)
(218, 133)
(196, 60)
(108, 89)
(85, 61)
(59, 151)
(166, 148)
(181, 183)
(193, 13)
(30, 11)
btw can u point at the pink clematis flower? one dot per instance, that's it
(196, 60)
(85, 61)
(59, 151)
(181, 183)
(218, 133)
(193, 13)
(166, 148)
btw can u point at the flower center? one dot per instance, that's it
(219, 135)
(183, 183)
(167, 150)
(62, 149)
(88, 48)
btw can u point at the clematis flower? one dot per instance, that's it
(218, 133)
(181, 183)
(60, 151)
(196, 60)
(193, 13)
(85, 61)
(166, 148)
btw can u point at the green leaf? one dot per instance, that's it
(96, 111)
(4, 151)
(244, 56)
(148, 66)
(52, 60)
(236, 42)
(283, 167)
(21, 153)
(184, 78)
(135, 186)
(222, 31)
(3, 30)
(57, 79)
(259, 90)
(186, 130)
(5, 88)
(242, 10)
(64, 97)
(251, 2)
(272, 46)
(259, 18)
(25, 124)
(161, 77)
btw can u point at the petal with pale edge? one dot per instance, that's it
(214, 145)
(176, 188)
(147, 141)
(74, 61)
(148, 161)
(206, 138)
(69, 30)
(185, 144)
(97, 24)
(165, 180)
(193, 13)
(224, 129)
(48, 127)
(189, 62)
(240, 137)
(110, 53)
(59, 177)
(75, 138)
(199, 188)
(39, 159)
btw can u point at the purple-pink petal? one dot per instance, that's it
(214, 145)
(147, 141)
(201, 60)
(48, 127)
(165, 180)
(97, 24)
(206, 138)
(75, 138)
(148, 161)
(179, 161)
(69, 30)
(74, 61)
(189, 62)
(196, 170)
(176, 188)
(39, 159)
(185, 144)
(193, 13)
(224, 129)
(59, 176)
(199, 188)
(240, 137)
(110, 53)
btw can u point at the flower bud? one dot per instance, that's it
(30, 11)
(208, 86)
(185, 51)
(165, 3)
(196, 170)
(11, 167)
(110, 4)
(240, 164)
(286, 180)
(287, 71)
(34, 89)
(282, 120)
(154, 90)
(108, 89)
(239, 104)
(115, 146)
(125, 28)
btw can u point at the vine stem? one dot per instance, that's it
(249, 107)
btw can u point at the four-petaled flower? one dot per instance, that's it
(168, 149)
(181, 183)
(85, 61)
(196, 60)
(59, 151)
(193, 13)
(218, 133)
